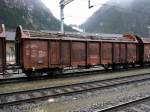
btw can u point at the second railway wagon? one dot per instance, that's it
(41, 52)
(145, 50)
(2, 49)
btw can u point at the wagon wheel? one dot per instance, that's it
(33, 74)
(133, 65)
(51, 74)
(116, 67)
(57, 73)
(106, 67)
(125, 66)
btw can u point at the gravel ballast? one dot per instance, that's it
(87, 102)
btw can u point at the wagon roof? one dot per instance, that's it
(145, 40)
(2, 30)
(73, 36)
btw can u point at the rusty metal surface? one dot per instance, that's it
(106, 53)
(122, 53)
(78, 53)
(54, 53)
(116, 53)
(146, 52)
(35, 54)
(131, 53)
(93, 53)
(119, 53)
(51, 50)
(65, 53)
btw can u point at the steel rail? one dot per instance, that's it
(125, 105)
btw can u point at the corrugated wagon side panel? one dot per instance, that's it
(146, 52)
(78, 53)
(54, 53)
(93, 53)
(106, 53)
(122, 53)
(116, 53)
(131, 53)
(65, 53)
(35, 54)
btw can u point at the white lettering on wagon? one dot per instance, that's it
(35, 52)
(41, 55)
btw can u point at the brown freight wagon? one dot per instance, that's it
(39, 52)
(2, 49)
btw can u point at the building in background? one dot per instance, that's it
(10, 47)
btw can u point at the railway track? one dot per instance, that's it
(133, 106)
(64, 75)
(25, 96)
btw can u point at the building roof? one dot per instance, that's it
(10, 35)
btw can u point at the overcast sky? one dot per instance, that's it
(76, 12)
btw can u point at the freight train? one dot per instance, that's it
(42, 52)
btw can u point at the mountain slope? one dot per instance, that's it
(31, 14)
(123, 16)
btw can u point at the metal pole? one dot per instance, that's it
(62, 15)
(90, 6)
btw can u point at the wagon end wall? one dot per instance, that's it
(2, 48)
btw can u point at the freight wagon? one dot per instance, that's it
(41, 52)
(51, 53)
(145, 50)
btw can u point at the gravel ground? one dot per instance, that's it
(88, 102)
(144, 107)
(56, 82)
(141, 107)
